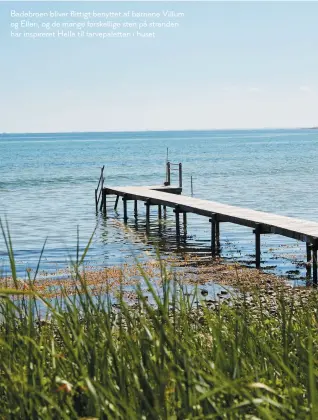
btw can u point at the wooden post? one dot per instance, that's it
(176, 210)
(180, 175)
(159, 212)
(136, 209)
(213, 234)
(165, 212)
(96, 203)
(308, 254)
(185, 222)
(257, 232)
(168, 173)
(125, 208)
(116, 202)
(217, 236)
(104, 200)
(147, 204)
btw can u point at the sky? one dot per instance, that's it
(229, 65)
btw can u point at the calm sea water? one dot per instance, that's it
(47, 186)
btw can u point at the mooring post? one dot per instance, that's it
(125, 207)
(159, 212)
(168, 173)
(180, 175)
(308, 255)
(257, 232)
(116, 202)
(135, 208)
(213, 234)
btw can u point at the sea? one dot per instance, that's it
(47, 184)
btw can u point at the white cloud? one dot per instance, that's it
(254, 90)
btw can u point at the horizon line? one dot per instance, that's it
(158, 131)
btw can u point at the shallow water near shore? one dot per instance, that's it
(47, 184)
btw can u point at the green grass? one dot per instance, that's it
(174, 359)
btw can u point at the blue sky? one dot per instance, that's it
(229, 65)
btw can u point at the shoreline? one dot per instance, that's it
(214, 277)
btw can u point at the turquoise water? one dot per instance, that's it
(47, 186)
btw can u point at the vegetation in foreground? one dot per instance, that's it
(173, 358)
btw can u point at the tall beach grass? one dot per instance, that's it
(174, 358)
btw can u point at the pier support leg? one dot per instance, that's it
(116, 202)
(257, 232)
(177, 213)
(96, 204)
(213, 236)
(136, 209)
(165, 212)
(308, 254)
(159, 212)
(147, 204)
(103, 203)
(217, 237)
(185, 222)
(125, 208)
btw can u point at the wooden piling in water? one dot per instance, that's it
(147, 204)
(116, 202)
(184, 221)
(257, 232)
(135, 208)
(125, 207)
(168, 173)
(177, 213)
(159, 212)
(308, 257)
(217, 236)
(213, 234)
(103, 201)
(180, 175)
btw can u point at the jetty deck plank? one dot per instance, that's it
(303, 230)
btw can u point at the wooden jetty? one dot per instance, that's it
(168, 195)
